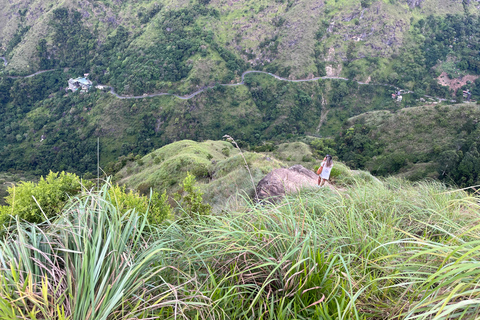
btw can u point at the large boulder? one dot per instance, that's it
(282, 181)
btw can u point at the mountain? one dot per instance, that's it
(156, 42)
(151, 47)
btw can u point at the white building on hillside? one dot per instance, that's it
(80, 83)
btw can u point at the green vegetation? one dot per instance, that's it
(174, 39)
(223, 179)
(424, 142)
(361, 252)
(190, 199)
(178, 236)
(7, 179)
(455, 36)
(156, 206)
(44, 135)
(154, 47)
(42, 201)
(36, 202)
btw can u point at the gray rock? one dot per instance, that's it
(279, 182)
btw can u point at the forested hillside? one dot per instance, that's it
(180, 47)
(422, 142)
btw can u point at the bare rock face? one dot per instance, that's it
(282, 181)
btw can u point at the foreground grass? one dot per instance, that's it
(378, 250)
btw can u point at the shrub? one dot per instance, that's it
(190, 198)
(335, 172)
(50, 194)
(307, 158)
(94, 262)
(200, 170)
(156, 206)
(226, 151)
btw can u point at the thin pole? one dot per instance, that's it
(98, 163)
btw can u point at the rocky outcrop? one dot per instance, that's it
(283, 181)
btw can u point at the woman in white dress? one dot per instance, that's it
(326, 166)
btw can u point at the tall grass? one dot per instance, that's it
(93, 262)
(376, 250)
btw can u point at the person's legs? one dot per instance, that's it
(319, 180)
(322, 183)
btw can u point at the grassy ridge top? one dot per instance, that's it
(220, 169)
(218, 165)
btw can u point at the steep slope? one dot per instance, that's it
(296, 38)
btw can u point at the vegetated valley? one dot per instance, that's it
(134, 135)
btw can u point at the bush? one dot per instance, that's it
(307, 158)
(33, 202)
(200, 170)
(190, 198)
(104, 262)
(226, 151)
(335, 172)
(156, 206)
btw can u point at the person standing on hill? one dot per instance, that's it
(324, 170)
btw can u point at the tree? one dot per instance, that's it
(351, 51)
(469, 167)
(447, 161)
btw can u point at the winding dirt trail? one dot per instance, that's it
(193, 94)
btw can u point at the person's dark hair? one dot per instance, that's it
(328, 161)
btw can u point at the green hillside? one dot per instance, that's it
(181, 47)
(170, 229)
(435, 141)
(218, 38)
(219, 167)
(264, 109)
